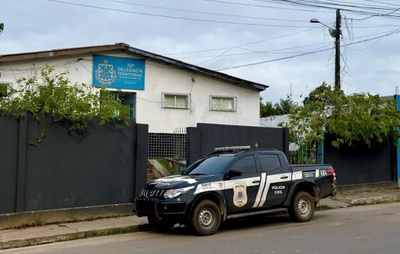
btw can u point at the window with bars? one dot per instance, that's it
(218, 103)
(181, 101)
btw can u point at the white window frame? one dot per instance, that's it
(221, 107)
(175, 104)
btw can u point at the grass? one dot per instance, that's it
(323, 207)
(166, 164)
(38, 221)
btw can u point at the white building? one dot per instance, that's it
(162, 92)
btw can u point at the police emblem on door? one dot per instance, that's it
(239, 194)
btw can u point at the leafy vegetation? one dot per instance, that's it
(282, 108)
(167, 165)
(1, 27)
(357, 118)
(73, 105)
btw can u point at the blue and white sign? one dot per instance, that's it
(118, 72)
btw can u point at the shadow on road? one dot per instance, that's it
(269, 221)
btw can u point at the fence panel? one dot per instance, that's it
(8, 163)
(104, 166)
(95, 168)
(171, 147)
(205, 137)
(302, 152)
(361, 164)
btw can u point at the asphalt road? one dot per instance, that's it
(362, 229)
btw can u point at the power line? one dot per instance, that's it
(273, 60)
(170, 16)
(242, 45)
(258, 5)
(319, 5)
(271, 51)
(306, 53)
(380, 15)
(345, 6)
(207, 13)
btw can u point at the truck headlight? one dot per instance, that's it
(173, 193)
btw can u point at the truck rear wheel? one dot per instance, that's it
(206, 218)
(302, 207)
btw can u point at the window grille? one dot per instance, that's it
(181, 101)
(218, 103)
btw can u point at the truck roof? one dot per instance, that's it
(234, 150)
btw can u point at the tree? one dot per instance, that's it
(1, 27)
(357, 118)
(267, 109)
(317, 95)
(284, 106)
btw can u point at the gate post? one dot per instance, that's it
(320, 152)
(141, 157)
(398, 145)
(21, 166)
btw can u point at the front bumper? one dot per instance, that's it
(165, 209)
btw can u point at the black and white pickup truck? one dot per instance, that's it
(234, 182)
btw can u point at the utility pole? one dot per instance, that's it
(337, 49)
(335, 33)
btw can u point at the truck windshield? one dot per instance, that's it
(209, 166)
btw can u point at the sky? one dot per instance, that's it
(271, 42)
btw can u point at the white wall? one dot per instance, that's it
(159, 78)
(274, 121)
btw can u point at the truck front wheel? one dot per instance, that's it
(206, 218)
(302, 207)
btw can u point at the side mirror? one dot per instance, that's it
(233, 173)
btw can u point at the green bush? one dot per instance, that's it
(48, 93)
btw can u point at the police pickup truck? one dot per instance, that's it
(234, 182)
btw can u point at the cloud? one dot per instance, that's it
(269, 32)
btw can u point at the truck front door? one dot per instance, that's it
(241, 184)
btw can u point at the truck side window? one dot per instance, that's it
(269, 162)
(246, 165)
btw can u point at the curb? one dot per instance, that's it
(66, 215)
(345, 202)
(374, 200)
(67, 237)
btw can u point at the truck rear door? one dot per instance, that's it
(275, 181)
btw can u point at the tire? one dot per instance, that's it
(302, 207)
(160, 225)
(206, 218)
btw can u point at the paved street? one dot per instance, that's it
(362, 229)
